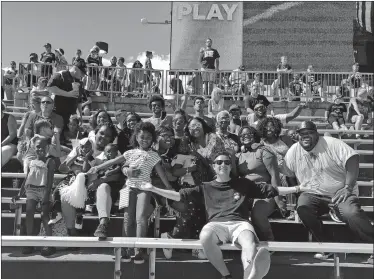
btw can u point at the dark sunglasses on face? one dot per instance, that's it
(220, 162)
(46, 102)
(259, 108)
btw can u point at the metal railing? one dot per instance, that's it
(140, 82)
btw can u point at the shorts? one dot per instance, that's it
(35, 193)
(208, 74)
(339, 120)
(229, 231)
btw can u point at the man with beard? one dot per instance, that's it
(330, 167)
(226, 204)
(260, 113)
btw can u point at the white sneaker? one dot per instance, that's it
(168, 253)
(56, 219)
(197, 253)
(260, 265)
(323, 256)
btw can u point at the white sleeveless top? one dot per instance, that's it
(217, 107)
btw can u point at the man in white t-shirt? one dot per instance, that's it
(331, 168)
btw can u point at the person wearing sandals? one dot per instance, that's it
(226, 201)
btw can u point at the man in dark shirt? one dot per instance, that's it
(198, 106)
(226, 203)
(47, 57)
(77, 57)
(68, 90)
(208, 57)
(252, 100)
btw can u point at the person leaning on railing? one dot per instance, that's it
(9, 138)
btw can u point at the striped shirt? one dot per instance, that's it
(143, 160)
(365, 15)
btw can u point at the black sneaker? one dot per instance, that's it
(138, 259)
(27, 250)
(79, 222)
(102, 231)
(48, 251)
(126, 258)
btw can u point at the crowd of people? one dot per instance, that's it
(215, 172)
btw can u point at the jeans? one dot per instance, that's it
(137, 213)
(311, 206)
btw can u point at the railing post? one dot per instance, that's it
(336, 266)
(117, 263)
(157, 222)
(17, 220)
(152, 264)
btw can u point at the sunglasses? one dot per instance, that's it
(195, 126)
(46, 102)
(220, 162)
(259, 108)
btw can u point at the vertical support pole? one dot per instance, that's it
(157, 223)
(310, 237)
(336, 267)
(297, 218)
(152, 264)
(117, 263)
(17, 220)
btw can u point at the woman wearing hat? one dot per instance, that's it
(61, 63)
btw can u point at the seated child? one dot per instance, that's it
(74, 132)
(37, 186)
(79, 160)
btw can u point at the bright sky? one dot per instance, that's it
(27, 26)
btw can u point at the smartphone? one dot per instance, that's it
(163, 115)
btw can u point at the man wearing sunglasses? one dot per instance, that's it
(227, 202)
(46, 113)
(261, 110)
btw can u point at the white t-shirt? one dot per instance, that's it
(143, 160)
(323, 167)
(185, 161)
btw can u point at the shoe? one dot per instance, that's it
(79, 222)
(27, 250)
(48, 251)
(126, 258)
(291, 216)
(260, 265)
(323, 256)
(138, 259)
(168, 253)
(197, 253)
(102, 231)
(55, 218)
(370, 260)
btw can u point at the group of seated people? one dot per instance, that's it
(213, 171)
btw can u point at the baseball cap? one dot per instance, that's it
(307, 125)
(47, 45)
(81, 65)
(234, 107)
(60, 50)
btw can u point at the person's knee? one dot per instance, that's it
(348, 212)
(207, 236)
(103, 188)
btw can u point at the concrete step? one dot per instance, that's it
(84, 264)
